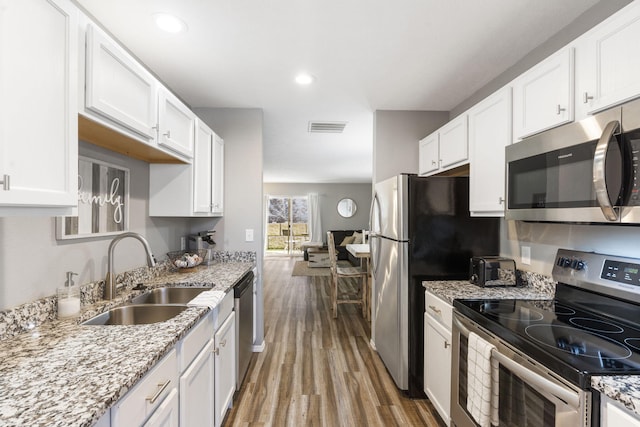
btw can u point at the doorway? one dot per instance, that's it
(287, 224)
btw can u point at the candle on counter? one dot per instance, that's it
(68, 307)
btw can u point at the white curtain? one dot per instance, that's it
(315, 224)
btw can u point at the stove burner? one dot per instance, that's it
(633, 342)
(563, 310)
(596, 325)
(577, 342)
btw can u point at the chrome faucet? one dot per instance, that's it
(110, 280)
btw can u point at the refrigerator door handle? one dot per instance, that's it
(374, 230)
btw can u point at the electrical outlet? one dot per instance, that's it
(525, 254)
(248, 235)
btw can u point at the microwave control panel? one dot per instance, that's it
(634, 196)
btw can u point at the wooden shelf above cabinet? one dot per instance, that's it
(102, 136)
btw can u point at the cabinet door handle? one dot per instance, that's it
(587, 98)
(161, 388)
(560, 109)
(433, 162)
(500, 200)
(223, 343)
(6, 182)
(216, 351)
(434, 308)
(446, 344)
(168, 134)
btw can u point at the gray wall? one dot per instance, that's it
(241, 130)
(395, 139)
(329, 195)
(33, 263)
(545, 239)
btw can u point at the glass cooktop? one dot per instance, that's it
(567, 338)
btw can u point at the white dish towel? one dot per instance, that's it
(209, 299)
(482, 382)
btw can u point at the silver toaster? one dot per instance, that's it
(487, 271)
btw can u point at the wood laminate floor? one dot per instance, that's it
(316, 370)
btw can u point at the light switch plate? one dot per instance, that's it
(525, 254)
(248, 235)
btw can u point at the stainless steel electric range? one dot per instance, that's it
(548, 350)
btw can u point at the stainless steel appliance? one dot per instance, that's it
(582, 172)
(492, 271)
(243, 304)
(548, 350)
(420, 230)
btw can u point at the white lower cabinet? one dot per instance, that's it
(437, 354)
(167, 413)
(196, 390)
(141, 402)
(225, 367)
(613, 414)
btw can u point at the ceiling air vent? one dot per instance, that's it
(327, 127)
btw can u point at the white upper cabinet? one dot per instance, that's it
(489, 134)
(454, 149)
(194, 189)
(38, 107)
(543, 96)
(444, 149)
(217, 175)
(429, 158)
(118, 87)
(202, 178)
(176, 123)
(608, 62)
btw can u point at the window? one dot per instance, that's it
(287, 224)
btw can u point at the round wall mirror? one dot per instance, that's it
(347, 208)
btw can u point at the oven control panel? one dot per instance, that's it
(607, 274)
(622, 272)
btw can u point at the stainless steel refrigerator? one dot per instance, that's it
(420, 230)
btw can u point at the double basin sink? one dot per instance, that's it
(157, 305)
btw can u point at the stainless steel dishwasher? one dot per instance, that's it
(243, 302)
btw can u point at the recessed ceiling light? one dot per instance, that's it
(304, 79)
(169, 23)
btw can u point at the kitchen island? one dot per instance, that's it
(66, 374)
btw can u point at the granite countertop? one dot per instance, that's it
(449, 290)
(65, 374)
(623, 388)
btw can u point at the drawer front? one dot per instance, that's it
(223, 310)
(143, 399)
(438, 309)
(190, 346)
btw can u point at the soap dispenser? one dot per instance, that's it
(69, 298)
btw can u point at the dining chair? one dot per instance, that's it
(337, 273)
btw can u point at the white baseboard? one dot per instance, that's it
(259, 348)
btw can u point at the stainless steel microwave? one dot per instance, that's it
(584, 172)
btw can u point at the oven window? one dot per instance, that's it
(521, 405)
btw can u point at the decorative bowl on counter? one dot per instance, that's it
(185, 260)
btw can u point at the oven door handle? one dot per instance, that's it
(570, 397)
(599, 171)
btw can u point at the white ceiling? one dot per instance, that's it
(366, 55)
